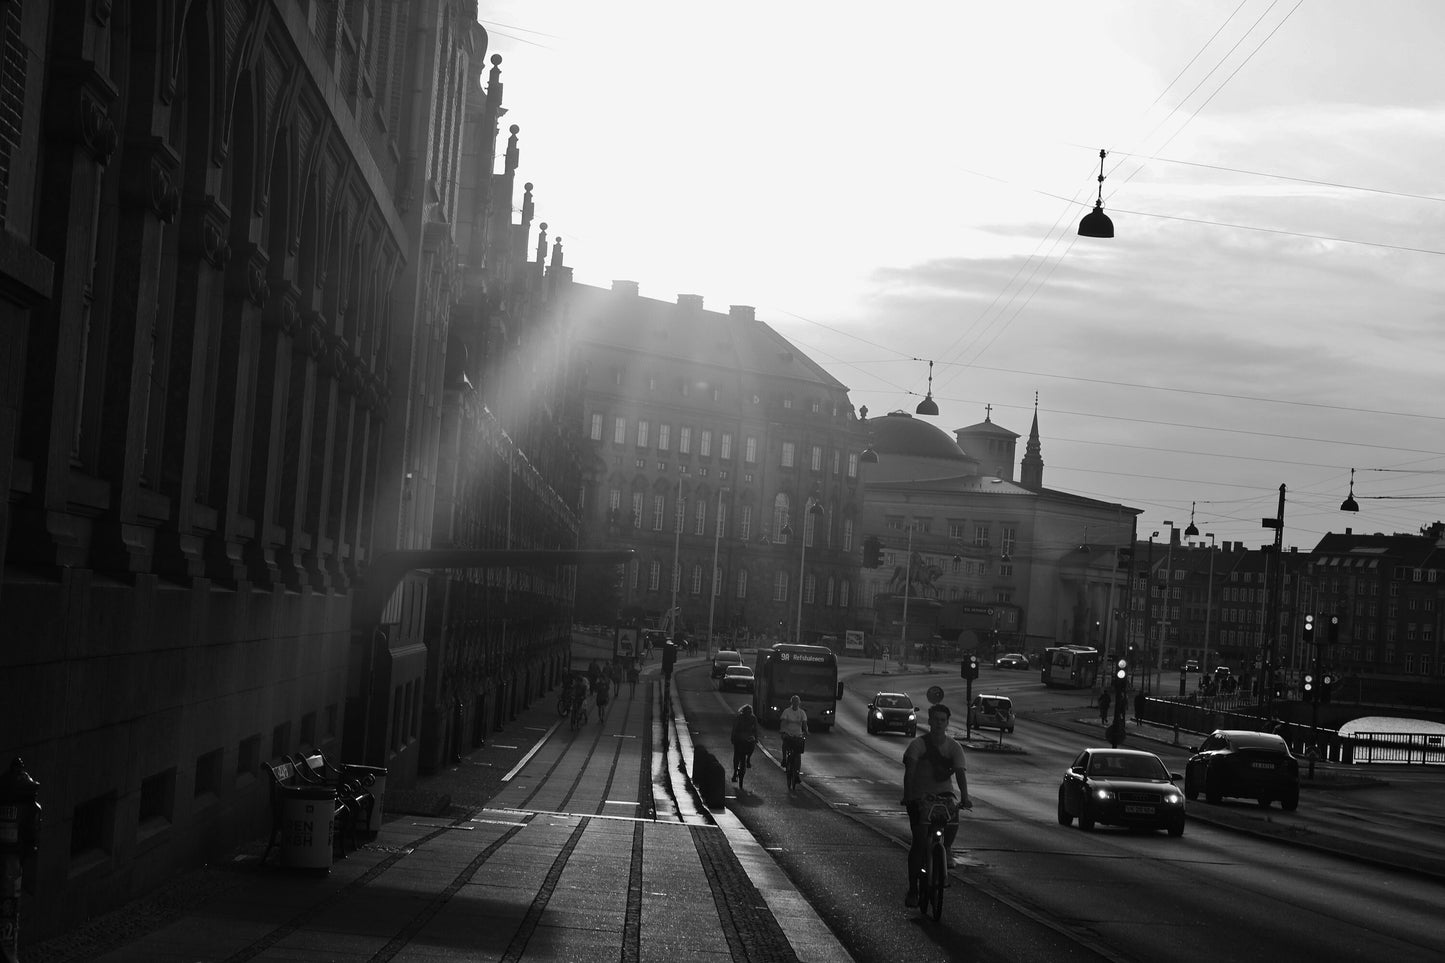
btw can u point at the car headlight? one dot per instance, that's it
(1173, 799)
(912, 716)
(877, 714)
(1103, 795)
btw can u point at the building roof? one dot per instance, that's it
(900, 434)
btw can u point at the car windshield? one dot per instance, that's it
(995, 705)
(1127, 767)
(894, 702)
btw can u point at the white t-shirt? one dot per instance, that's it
(793, 722)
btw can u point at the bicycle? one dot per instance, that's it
(564, 699)
(793, 760)
(933, 878)
(742, 761)
(579, 714)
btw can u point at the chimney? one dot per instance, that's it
(742, 312)
(625, 287)
(690, 302)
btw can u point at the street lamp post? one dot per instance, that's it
(1208, 609)
(814, 509)
(713, 589)
(1168, 589)
(1148, 608)
(907, 577)
(672, 618)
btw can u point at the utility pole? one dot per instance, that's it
(1266, 692)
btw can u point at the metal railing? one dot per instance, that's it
(1409, 748)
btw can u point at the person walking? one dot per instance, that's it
(1104, 700)
(603, 691)
(633, 673)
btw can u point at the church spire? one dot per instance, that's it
(1031, 472)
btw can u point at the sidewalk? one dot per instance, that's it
(544, 844)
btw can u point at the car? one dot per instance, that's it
(1011, 660)
(1243, 763)
(1191, 665)
(1121, 787)
(892, 711)
(723, 659)
(738, 677)
(991, 712)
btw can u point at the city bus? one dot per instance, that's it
(1069, 667)
(807, 671)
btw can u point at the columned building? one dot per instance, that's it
(981, 558)
(727, 459)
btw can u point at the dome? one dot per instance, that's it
(900, 434)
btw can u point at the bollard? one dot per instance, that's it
(19, 822)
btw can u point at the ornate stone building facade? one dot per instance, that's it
(260, 301)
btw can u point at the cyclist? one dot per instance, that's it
(579, 696)
(932, 764)
(793, 725)
(745, 739)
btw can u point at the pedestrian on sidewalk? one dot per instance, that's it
(604, 695)
(1104, 700)
(633, 673)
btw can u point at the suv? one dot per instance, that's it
(723, 659)
(991, 712)
(1239, 762)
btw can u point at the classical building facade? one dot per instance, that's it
(727, 460)
(979, 557)
(261, 300)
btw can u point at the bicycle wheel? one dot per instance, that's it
(938, 869)
(564, 704)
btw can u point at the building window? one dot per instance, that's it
(619, 432)
(658, 512)
(830, 588)
(780, 587)
(745, 522)
(664, 437)
(817, 463)
(837, 460)
(1005, 569)
(787, 401)
(596, 430)
(654, 575)
(809, 527)
(699, 521)
(637, 510)
(725, 446)
(684, 441)
(750, 450)
(704, 443)
(1007, 537)
(642, 427)
(980, 536)
(852, 464)
(847, 534)
(634, 570)
(721, 528)
(717, 583)
(810, 589)
(696, 587)
(788, 449)
(208, 774)
(742, 591)
(843, 593)
(780, 518)
(157, 801)
(614, 499)
(651, 384)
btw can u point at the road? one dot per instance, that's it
(1032, 889)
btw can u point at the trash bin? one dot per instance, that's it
(374, 779)
(308, 827)
(709, 778)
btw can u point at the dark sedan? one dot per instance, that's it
(1121, 787)
(892, 710)
(1011, 660)
(1239, 762)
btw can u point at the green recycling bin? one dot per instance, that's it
(308, 827)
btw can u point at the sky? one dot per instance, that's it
(893, 184)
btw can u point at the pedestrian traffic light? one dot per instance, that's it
(1309, 628)
(969, 668)
(1326, 681)
(1121, 674)
(872, 552)
(1334, 629)
(1312, 693)
(1278, 689)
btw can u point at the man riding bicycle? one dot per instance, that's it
(793, 726)
(744, 738)
(932, 765)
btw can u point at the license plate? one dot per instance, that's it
(1262, 765)
(1139, 810)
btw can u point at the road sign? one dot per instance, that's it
(935, 694)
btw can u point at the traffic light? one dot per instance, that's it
(1334, 629)
(1121, 675)
(969, 668)
(1309, 628)
(1278, 689)
(1326, 681)
(1312, 693)
(872, 552)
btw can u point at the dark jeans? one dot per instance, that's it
(743, 753)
